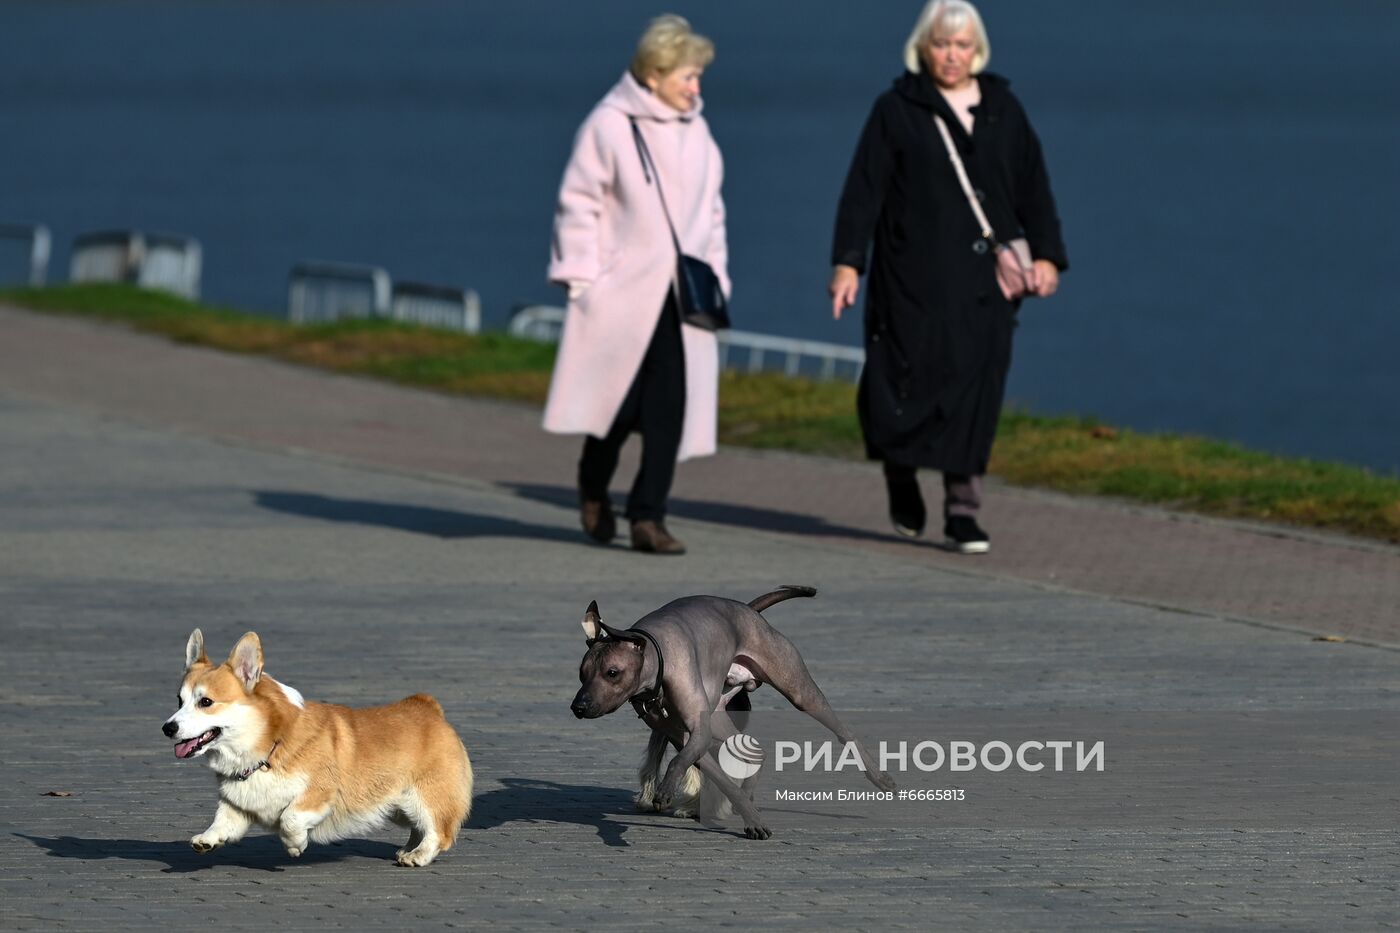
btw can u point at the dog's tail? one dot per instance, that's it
(786, 592)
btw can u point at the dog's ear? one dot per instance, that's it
(194, 650)
(592, 623)
(246, 659)
(620, 634)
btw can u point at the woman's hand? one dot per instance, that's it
(1046, 278)
(845, 283)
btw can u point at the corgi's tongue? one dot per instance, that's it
(188, 747)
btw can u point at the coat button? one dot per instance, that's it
(979, 246)
(981, 195)
(874, 338)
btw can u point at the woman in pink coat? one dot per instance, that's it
(626, 363)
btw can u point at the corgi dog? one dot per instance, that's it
(317, 771)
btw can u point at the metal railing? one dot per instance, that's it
(328, 291)
(169, 262)
(436, 306)
(537, 322)
(831, 360)
(320, 292)
(24, 254)
(173, 264)
(738, 349)
(317, 291)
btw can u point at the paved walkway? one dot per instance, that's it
(385, 541)
(1317, 584)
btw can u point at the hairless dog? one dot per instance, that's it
(693, 657)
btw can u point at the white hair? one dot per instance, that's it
(944, 17)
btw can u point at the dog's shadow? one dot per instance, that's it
(528, 800)
(261, 853)
(518, 800)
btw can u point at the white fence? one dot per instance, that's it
(436, 306)
(168, 262)
(800, 357)
(537, 322)
(320, 292)
(24, 254)
(329, 291)
(172, 264)
(738, 349)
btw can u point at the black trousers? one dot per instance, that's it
(655, 407)
(962, 492)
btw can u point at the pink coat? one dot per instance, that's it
(610, 236)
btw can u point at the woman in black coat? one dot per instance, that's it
(938, 322)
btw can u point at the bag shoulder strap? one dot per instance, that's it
(987, 232)
(649, 172)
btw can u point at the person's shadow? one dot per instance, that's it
(720, 513)
(446, 523)
(424, 520)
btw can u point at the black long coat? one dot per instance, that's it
(937, 329)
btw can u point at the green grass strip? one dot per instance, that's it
(769, 410)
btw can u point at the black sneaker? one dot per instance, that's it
(907, 512)
(961, 533)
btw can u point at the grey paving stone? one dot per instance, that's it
(370, 580)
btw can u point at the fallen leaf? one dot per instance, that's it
(57, 793)
(1329, 638)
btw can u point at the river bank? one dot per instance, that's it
(1079, 455)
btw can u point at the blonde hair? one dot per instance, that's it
(669, 44)
(944, 17)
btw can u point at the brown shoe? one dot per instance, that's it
(597, 518)
(653, 538)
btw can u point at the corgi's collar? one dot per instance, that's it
(260, 766)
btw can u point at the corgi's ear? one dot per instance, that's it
(592, 629)
(194, 650)
(246, 659)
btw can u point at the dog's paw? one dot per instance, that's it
(295, 844)
(757, 831)
(665, 794)
(686, 813)
(645, 802)
(415, 858)
(207, 841)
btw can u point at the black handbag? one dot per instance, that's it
(699, 298)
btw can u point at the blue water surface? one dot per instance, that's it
(1226, 172)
